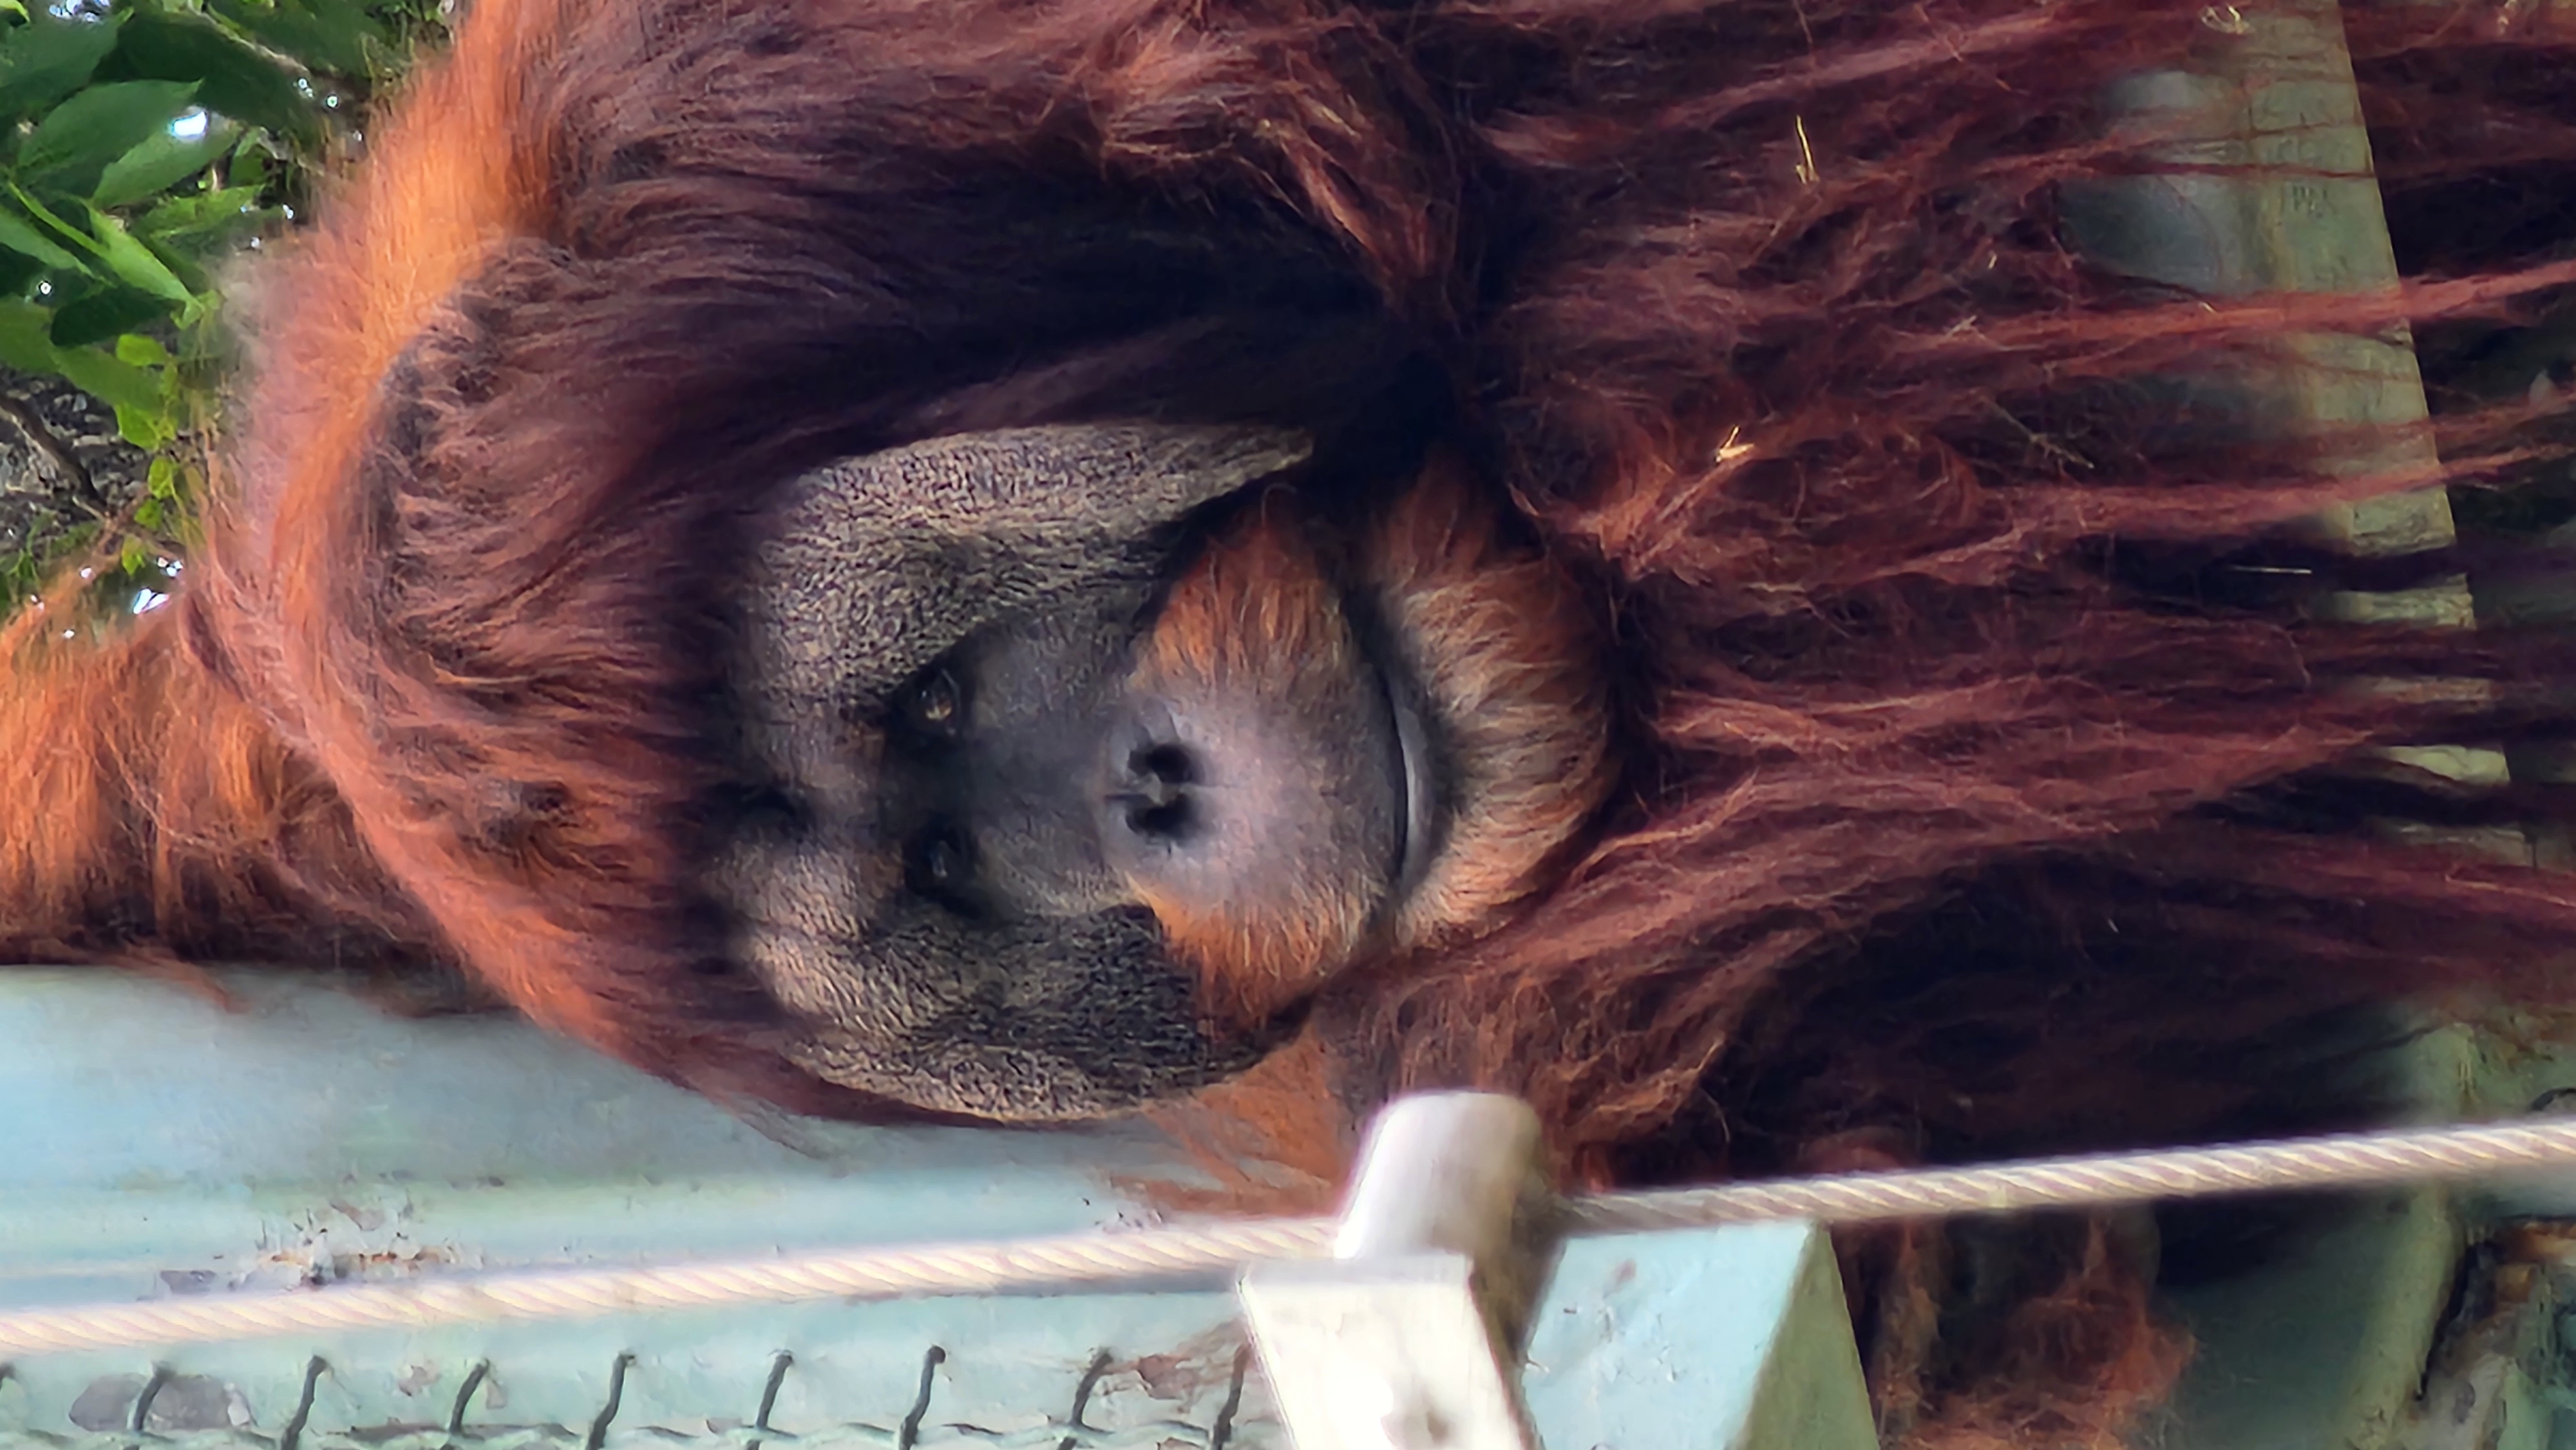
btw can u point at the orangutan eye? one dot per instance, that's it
(935, 704)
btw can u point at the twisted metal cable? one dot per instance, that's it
(2351, 1160)
(2346, 1160)
(887, 1273)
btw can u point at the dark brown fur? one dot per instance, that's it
(1955, 790)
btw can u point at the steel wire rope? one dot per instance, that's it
(2349, 1160)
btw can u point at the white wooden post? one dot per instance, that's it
(1408, 1338)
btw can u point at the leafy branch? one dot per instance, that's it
(141, 143)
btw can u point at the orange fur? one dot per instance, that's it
(149, 803)
(157, 810)
(1511, 655)
(466, 168)
(453, 175)
(1275, 1139)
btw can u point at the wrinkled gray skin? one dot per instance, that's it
(939, 646)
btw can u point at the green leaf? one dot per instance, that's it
(77, 139)
(20, 235)
(47, 58)
(105, 312)
(161, 480)
(147, 514)
(142, 427)
(134, 264)
(332, 35)
(19, 578)
(26, 340)
(252, 160)
(231, 77)
(161, 161)
(205, 210)
(133, 556)
(121, 385)
(143, 352)
(209, 225)
(18, 274)
(201, 288)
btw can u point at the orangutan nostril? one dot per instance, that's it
(1162, 765)
(1166, 820)
(1156, 793)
